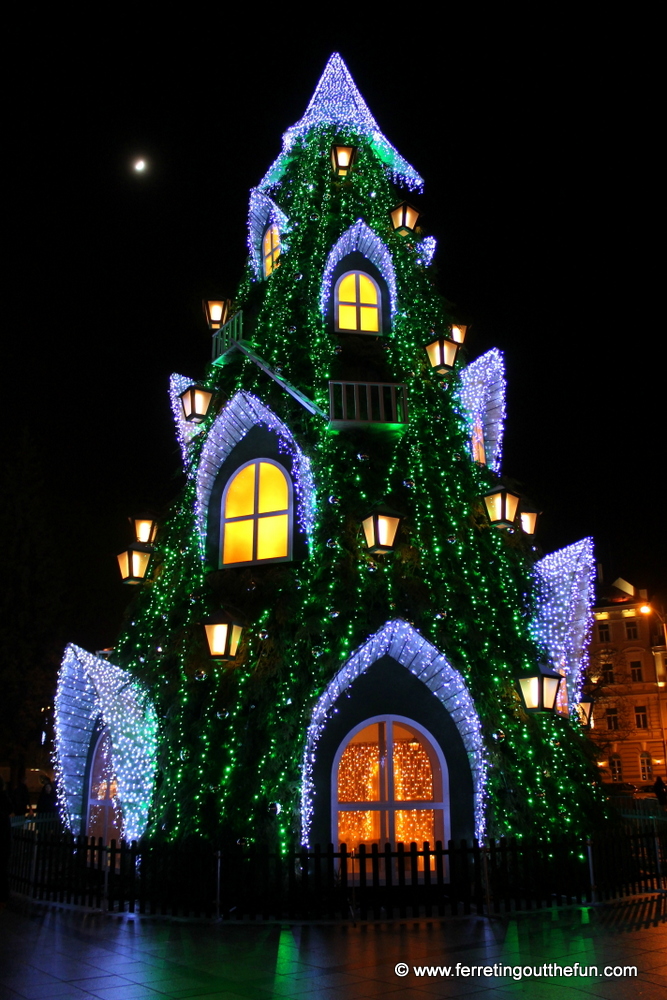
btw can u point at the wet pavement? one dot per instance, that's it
(49, 952)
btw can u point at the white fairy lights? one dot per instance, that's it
(483, 397)
(91, 693)
(362, 238)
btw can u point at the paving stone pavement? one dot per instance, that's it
(64, 954)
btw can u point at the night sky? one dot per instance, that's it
(536, 193)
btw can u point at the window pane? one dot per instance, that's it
(347, 317)
(272, 488)
(346, 290)
(359, 768)
(362, 827)
(272, 537)
(369, 318)
(367, 290)
(238, 542)
(415, 825)
(413, 777)
(240, 500)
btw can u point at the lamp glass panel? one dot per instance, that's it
(359, 767)
(494, 506)
(433, 351)
(511, 504)
(369, 532)
(413, 774)
(202, 399)
(216, 311)
(347, 291)
(217, 638)
(458, 333)
(528, 521)
(550, 691)
(530, 688)
(273, 494)
(186, 400)
(235, 639)
(449, 350)
(124, 564)
(139, 563)
(238, 541)
(272, 537)
(240, 499)
(143, 528)
(411, 216)
(387, 527)
(397, 217)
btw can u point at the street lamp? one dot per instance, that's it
(216, 312)
(501, 507)
(195, 401)
(404, 218)
(442, 354)
(223, 634)
(380, 529)
(134, 561)
(342, 159)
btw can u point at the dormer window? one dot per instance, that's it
(257, 515)
(357, 302)
(271, 250)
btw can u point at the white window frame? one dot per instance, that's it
(256, 516)
(439, 770)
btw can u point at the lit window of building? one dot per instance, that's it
(271, 250)
(257, 515)
(616, 767)
(646, 766)
(357, 304)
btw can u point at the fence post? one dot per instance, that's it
(591, 870)
(483, 849)
(218, 863)
(656, 848)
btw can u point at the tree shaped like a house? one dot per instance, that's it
(377, 607)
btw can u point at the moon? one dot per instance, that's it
(139, 165)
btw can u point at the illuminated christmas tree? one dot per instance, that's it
(340, 632)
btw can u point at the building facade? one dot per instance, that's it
(627, 678)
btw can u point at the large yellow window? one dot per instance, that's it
(271, 250)
(257, 514)
(357, 303)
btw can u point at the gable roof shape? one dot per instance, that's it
(337, 101)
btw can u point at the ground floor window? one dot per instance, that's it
(390, 786)
(646, 766)
(103, 814)
(616, 767)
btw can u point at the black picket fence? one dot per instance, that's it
(194, 879)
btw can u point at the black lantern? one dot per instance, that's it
(539, 688)
(501, 506)
(195, 401)
(134, 561)
(404, 218)
(145, 528)
(223, 634)
(458, 332)
(585, 710)
(442, 354)
(216, 312)
(342, 159)
(380, 529)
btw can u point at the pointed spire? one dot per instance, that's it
(337, 101)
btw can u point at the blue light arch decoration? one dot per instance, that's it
(243, 412)
(359, 238)
(94, 693)
(399, 642)
(263, 212)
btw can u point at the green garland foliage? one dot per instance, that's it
(232, 737)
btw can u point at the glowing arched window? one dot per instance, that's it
(271, 250)
(390, 786)
(357, 303)
(257, 514)
(103, 817)
(478, 449)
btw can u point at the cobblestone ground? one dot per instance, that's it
(65, 954)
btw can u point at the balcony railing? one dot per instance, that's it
(364, 404)
(227, 335)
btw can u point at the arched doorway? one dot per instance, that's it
(389, 785)
(103, 815)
